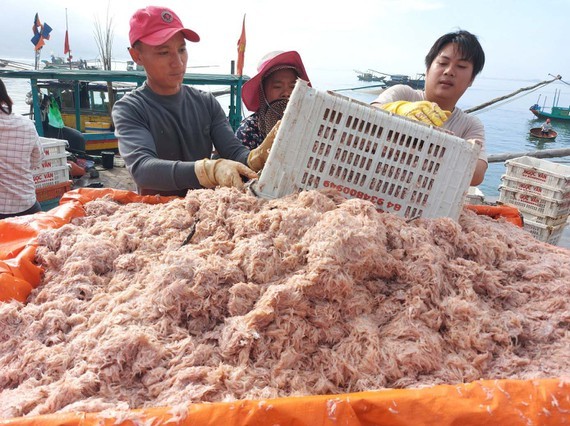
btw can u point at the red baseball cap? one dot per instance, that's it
(154, 25)
(273, 60)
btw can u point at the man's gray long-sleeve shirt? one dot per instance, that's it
(160, 137)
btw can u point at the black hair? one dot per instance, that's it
(5, 100)
(468, 45)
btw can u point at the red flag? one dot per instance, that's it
(66, 49)
(241, 49)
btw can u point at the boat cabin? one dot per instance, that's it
(93, 101)
(85, 101)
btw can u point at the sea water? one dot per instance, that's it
(507, 124)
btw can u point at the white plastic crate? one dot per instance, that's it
(54, 148)
(545, 220)
(534, 204)
(402, 166)
(530, 187)
(48, 163)
(51, 176)
(546, 233)
(539, 172)
(53, 163)
(474, 196)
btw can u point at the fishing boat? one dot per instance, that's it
(392, 79)
(15, 65)
(556, 112)
(536, 132)
(370, 76)
(94, 108)
(415, 83)
(60, 63)
(86, 103)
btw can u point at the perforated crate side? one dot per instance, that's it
(545, 220)
(545, 233)
(534, 204)
(53, 148)
(536, 188)
(402, 166)
(539, 171)
(51, 176)
(48, 163)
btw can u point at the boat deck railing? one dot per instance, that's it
(235, 83)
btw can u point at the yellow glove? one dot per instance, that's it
(258, 156)
(424, 111)
(211, 173)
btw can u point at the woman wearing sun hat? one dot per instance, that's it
(267, 94)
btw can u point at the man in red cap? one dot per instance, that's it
(267, 94)
(167, 130)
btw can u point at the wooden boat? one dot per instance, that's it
(94, 108)
(86, 104)
(392, 79)
(556, 112)
(58, 62)
(370, 76)
(15, 65)
(415, 83)
(537, 133)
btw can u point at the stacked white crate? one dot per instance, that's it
(54, 168)
(52, 177)
(540, 189)
(474, 196)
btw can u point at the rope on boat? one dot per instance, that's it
(510, 95)
(565, 82)
(508, 101)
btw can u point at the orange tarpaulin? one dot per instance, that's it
(487, 402)
(509, 213)
(493, 402)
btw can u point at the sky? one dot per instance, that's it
(522, 39)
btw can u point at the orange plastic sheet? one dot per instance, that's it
(509, 213)
(499, 402)
(18, 273)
